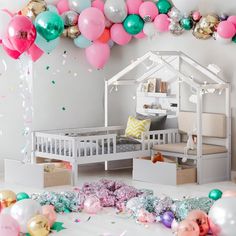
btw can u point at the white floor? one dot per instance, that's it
(108, 223)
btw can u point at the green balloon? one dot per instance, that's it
(49, 25)
(215, 194)
(133, 24)
(21, 196)
(234, 39)
(186, 23)
(163, 6)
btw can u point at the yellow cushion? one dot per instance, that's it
(136, 127)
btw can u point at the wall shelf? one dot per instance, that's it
(156, 95)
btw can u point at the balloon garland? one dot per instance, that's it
(35, 26)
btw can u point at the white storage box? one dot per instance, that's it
(162, 172)
(33, 175)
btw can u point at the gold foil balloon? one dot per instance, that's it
(7, 198)
(34, 8)
(205, 28)
(38, 226)
(71, 32)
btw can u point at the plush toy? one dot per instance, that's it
(157, 158)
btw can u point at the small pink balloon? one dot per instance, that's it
(63, 6)
(232, 19)
(99, 4)
(133, 6)
(148, 9)
(196, 16)
(92, 204)
(119, 35)
(141, 35)
(145, 216)
(162, 23)
(226, 29)
(49, 212)
(188, 228)
(21, 33)
(9, 226)
(35, 52)
(229, 193)
(91, 23)
(12, 53)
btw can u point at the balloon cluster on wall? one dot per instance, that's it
(35, 26)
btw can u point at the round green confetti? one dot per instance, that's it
(53, 82)
(65, 52)
(63, 108)
(47, 68)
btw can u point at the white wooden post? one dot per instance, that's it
(74, 162)
(199, 136)
(106, 104)
(228, 117)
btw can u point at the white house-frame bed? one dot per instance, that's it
(92, 145)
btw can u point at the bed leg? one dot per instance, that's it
(199, 171)
(106, 165)
(74, 174)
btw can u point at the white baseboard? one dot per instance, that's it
(233, 176)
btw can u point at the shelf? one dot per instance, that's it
(157, 95)
(155, 111)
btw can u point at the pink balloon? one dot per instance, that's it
(92, 205)
(133, 6)
(232, 19)
(197, 15)
(9, 226)
(148, 9)
(119, 35)
(49, 212)
(63, 6)
(12, 53)
(99, 4)
(98, 54)
(35, 52)
(162, 23)
(91, 23)
(141, 35)
(21, 33)
(226, 29)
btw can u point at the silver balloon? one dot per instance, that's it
(115, 10)
(70, 18)
(222, 216)
(175, 14)
(175, 28)
(149, 29)
(79, 5)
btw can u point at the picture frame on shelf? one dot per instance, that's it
(152, 85)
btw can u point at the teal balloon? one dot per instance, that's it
(82, 42)
(163, 6)
(52, 9)
(186, 23)
(215, 194)
(133, 24)
(49, 25)
(46, 46)
(234, 39)
(22, 196)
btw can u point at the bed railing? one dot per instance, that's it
(151, 138)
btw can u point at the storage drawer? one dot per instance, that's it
(162, 172)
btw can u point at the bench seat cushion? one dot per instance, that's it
(207, 149)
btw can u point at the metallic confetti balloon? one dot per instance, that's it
(34, 8)
(222, 217)
(201, 218)
(70, 18)
(175, 14)
(38, 226)
(115, 11)
(175, 28)
(205, 28)
(7, 198)
(71, 32)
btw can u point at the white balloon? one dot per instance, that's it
(4, 19)
(223, 216)
(149, 29)
(222, 40)
(186, 6)
(52, 2)
(13, 6)
(22, 211)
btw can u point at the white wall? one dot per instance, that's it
(82, 95)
